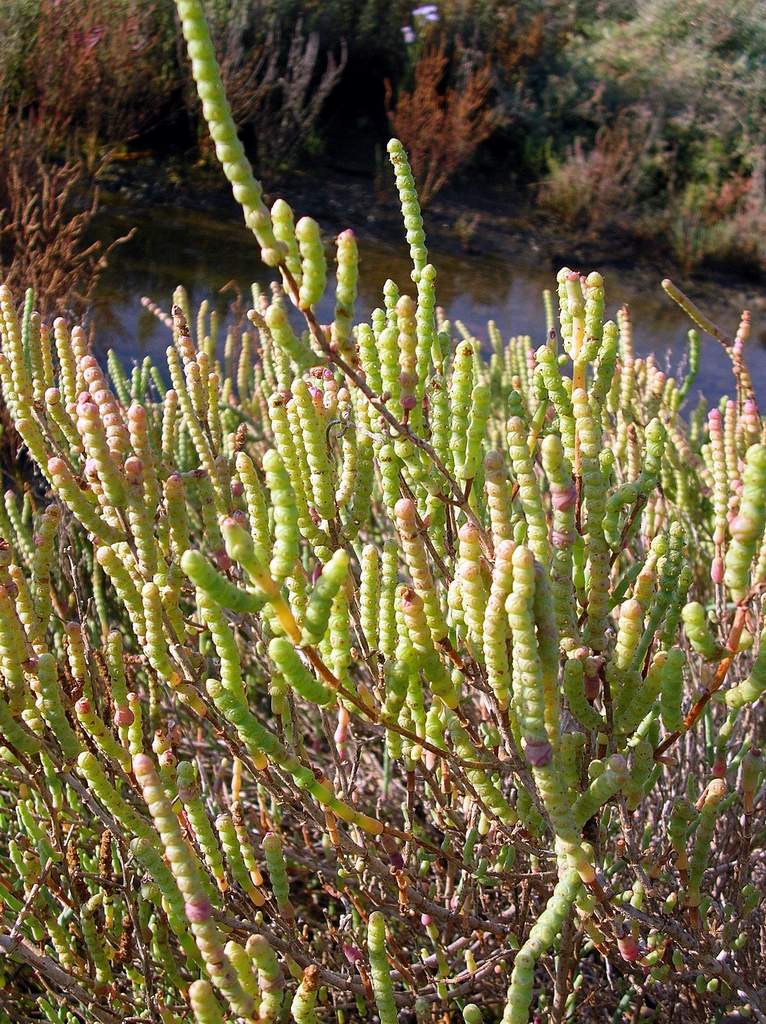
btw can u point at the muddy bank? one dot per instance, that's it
(475, 215)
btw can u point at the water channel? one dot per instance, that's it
(206, 251)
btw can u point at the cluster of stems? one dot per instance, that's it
(361, 667)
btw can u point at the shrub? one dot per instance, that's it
(695, 71)
(372, 28)
(592, 188)
(725, 223)
(46, 210)
(696, 66)
(441, 125)
(93, 72)
(360, 670)
(278, 81)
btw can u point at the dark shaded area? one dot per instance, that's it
(206, 247)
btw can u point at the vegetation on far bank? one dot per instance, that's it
(639, 116)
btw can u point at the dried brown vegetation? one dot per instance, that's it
(89, 78)
(46, 210)
(441, 124)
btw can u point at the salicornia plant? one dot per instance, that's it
(362, 669)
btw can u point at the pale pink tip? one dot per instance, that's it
(425, 920)
(124, 716)
(56, 466)
(198, 909)
(405, 507)
(716, 570)
(82, 706)
(142, 764)
(341, 731)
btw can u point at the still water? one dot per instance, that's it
(209, 252)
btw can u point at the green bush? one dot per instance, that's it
(690, 76)
(359, 668)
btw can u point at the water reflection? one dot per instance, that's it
(206, 252)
